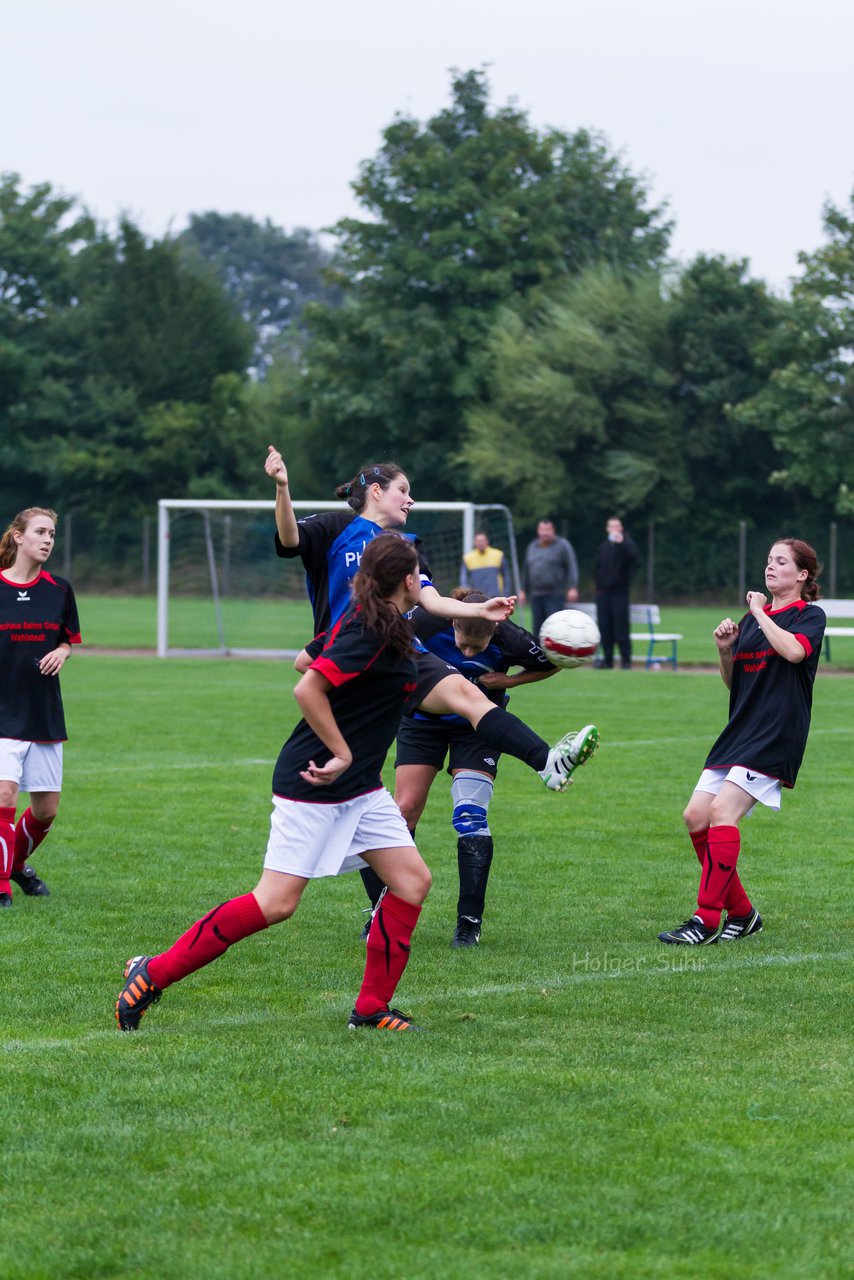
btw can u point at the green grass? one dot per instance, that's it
(131, 622)
(588, 1103)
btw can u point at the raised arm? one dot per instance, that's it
(286, 521)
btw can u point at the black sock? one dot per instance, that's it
(509, 734)
(373, 885)
(474, 858)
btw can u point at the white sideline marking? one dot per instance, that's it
(654, 969)
(152, 767)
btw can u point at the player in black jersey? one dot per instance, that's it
(331, 812)
(484, 652)
(38, 626)
(768, 662)
(330, 547)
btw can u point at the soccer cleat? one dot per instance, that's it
(383, 1020)
(27, 880)
(741, 926)
(467, 932)
(564, 758)
(5, 900)
(692, 933)
(137, 995)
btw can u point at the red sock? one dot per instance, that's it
(387, 953)
(717, 874)
(7, 846)
(29, 834)
(207, 939)
(736, 902)
(700, 841)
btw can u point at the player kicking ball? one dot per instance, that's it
(331, 812)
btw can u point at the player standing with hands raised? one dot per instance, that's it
(768, 662)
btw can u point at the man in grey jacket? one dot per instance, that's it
(549, 575)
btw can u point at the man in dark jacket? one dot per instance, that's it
(615, 562)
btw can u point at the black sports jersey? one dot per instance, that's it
(35, 617)
(371, 685)
(330, 547)
(770, 699)
(510, 646)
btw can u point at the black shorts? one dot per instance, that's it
(429, 741)
(430, 671)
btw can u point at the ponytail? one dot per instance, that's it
(8, 545)
(386, 561)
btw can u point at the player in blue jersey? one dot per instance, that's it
(768, 662)
(330, 547)
(484, 652)
(38, 626)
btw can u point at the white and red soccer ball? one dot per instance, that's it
(569, 638)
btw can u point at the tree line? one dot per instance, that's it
(504, 320)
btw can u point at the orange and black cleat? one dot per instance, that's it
(382, 1020)
(137, 995)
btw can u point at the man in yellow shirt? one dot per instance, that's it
(483, 567)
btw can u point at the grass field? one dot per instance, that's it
(588, 1103)
(131, 622)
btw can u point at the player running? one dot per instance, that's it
(768, 662)
(331, 812)
(38, 626)
(330, 546)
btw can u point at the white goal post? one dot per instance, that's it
(221, 586)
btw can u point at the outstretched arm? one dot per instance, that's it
(494, 610)
(496, 680)
(286, 521)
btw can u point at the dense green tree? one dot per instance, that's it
(807, 404)
(581, 419)
(469, 212)
(269, 275)
(137, 360)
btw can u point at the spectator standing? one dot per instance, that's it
(615, 563)
(549, 576)
(483, 568)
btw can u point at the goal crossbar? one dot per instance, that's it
(469, 513)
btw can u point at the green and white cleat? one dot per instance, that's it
(573, 750)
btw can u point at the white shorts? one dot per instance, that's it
(315, 840)
(764, 790)
(32, 766)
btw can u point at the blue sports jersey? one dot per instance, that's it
(330, 547)
(510, 646)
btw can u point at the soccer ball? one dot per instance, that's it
(569, 638)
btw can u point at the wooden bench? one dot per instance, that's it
(836, 609)
(648, 615)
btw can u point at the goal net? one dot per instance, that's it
(222, 590)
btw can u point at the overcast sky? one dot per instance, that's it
(739, 114)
